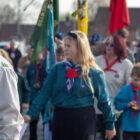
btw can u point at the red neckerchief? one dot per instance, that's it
(136, 91)
(38, 67)
(110, 65)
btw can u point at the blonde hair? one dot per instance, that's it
(84, 56)
(136, 70)
(5, 55)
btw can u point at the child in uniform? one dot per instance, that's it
(128, 100)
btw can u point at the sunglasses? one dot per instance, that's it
(109, 44)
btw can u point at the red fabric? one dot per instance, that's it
(38, 67)
(119, 15)
(71, 73)
(136, 91)
(110, 65)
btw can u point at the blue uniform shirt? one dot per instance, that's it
(81, 96)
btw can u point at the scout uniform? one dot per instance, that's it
(10, 118)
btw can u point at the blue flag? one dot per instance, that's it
(50, 57)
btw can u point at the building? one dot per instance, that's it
(99, 25)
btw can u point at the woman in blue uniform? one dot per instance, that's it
(71, 87)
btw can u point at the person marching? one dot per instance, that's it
(71, 87)
(128, 100)
(36, 75)
(117, 69)
(11, 120)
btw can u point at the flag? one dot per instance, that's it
(119, 15)
(82, 21)
(50, 57)
(50, 60)
(56, 16)
(39, 35)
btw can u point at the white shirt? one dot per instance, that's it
(11, 120)
(115, 81)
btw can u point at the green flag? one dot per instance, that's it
(38, 39)
(56, 16)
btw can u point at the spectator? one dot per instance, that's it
(124, 33)
(14, 54)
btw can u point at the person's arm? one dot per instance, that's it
(128, 68)
(121, 100)
(104, 104)
(43, 95)
(10, 118)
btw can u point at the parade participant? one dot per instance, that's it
(25, 61)
(128, 101)
(60, 53)
(117, 69)
(36, 75)
(48, 115)
(23, 88)
(10, 118)
(71, 87)
(24, 92)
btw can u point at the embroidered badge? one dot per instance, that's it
(116, 75)
(4, 64)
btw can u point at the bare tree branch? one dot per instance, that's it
(26, 7)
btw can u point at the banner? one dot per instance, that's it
(82, 22)
(40, 32)
(50, 58)
(119, 15)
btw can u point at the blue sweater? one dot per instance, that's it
(54, 89)
(122, 100)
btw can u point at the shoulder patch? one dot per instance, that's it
(4, 64)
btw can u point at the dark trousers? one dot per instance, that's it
(33, 128)
(74, 124)
(131, 135)
(100, 127)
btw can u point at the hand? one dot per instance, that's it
(25, 106)
(109, 134)
(37, 85)
(132, 104)
(27, 118)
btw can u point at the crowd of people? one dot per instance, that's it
(93, 87)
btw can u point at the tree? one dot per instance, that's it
(93, 6)
(17, 12)
(7, 14)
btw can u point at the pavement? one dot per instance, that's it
(39, 132)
